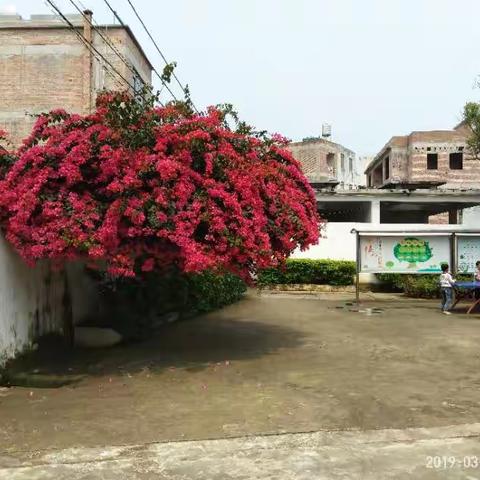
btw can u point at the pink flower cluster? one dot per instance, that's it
(158, 189)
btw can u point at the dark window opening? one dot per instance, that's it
(138, 86)
(332, 170)
(429, 148)
(387, 168)
(345, 211)
(432, 161)
(456, 161)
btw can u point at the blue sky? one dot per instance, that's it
(371, 68)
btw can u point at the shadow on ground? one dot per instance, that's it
(192, 344)
(264, 365)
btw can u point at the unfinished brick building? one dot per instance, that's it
(327, 163)
(437, 158)
(44, 65)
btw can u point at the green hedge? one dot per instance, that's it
(417, 286)
(207, 291)
(320, 272)
(133, 306)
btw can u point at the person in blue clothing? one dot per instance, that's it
(446, 286)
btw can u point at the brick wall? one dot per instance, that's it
(313, 157)
(39, 70)
(323, 160)
(408, 159)
(469, 175)
(46, 68)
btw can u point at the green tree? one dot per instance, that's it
(471, 117)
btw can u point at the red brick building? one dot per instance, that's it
(326, 162)
(44, 65)
(425, 160)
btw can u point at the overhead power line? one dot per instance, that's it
(184, 90)
(156, 45)
(115, 14)
(80, 37)
(107, 41)
(103, 37)
(90, 46)
(164, 84)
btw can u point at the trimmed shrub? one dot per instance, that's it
(416, 286)
(318, 272)
(391, 281)
(133, 306)
(207, 291)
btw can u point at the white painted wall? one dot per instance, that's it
(471, 217)
(337, 243)
(31, 300)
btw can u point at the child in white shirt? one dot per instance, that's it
(476, 279)
(446, 286)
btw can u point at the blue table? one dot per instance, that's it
(464, 290)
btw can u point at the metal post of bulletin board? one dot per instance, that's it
(453, 254)
(357, 277)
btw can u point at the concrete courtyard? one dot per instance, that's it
(339, 393)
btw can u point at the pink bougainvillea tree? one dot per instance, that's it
(133, 188)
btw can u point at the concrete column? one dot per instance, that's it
(375, 211)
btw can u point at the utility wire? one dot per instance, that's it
(106, 40)
(115, 14)
(164, 84)
(156, 46)
(152, 39)
(87, 44)
(158, 49)
(82, 40)
(103, 37)
(111, 44)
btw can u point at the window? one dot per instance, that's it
(350, 165)
(456, 161)
(386, 167)
(342, 163)
(332, 171)
(138, 85)
(432, 161)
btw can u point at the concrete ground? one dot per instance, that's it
(446, 453)
(268, 367)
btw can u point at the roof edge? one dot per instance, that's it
(321, 140)
(47, 26)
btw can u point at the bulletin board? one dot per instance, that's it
(468, 252)
(404, 254)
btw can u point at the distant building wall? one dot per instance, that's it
(426, 158)
(471, 217)
(323, 160)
